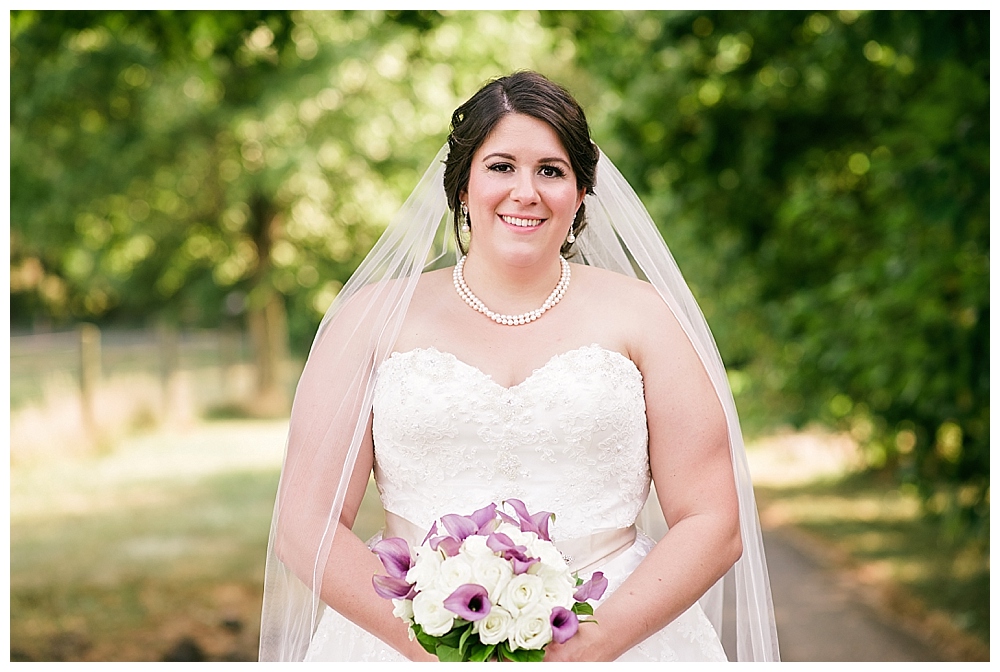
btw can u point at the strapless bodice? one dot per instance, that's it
(570, 439)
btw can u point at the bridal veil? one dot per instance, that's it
(332, 408)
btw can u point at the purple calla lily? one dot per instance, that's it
(449, 545)
(486, 519)
(469, 601)
(395, 555)
(592, 589)
(516, 555)
(537, 523)
(392, 588)
(459, 527)
(564, 624)
(499, 542)
(430, 533)
(520, 565)
(507, 518)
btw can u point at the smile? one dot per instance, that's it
(521, 222)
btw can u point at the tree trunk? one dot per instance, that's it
(269, 338)
(267, 319)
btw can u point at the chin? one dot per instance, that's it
(524, 256)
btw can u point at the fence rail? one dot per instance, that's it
(86, 357)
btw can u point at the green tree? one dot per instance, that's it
(195, 165)
(824, 180)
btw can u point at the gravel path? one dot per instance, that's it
(822, 614)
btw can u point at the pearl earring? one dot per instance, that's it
(466, 227)
(571, 238)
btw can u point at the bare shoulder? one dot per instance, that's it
(364, 302)
(430, 288)
(650, 325)
(629, 298)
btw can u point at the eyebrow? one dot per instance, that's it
(511, 157)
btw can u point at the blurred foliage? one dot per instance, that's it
(191, 164)
(824, 180)
(821, 176)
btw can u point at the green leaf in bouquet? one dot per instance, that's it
(504, 652)
(583, 609)
(527, 655)
(480, 653)
(534, 656)
(427, 641)
(453, 636)
(448, 654)
(466, 640)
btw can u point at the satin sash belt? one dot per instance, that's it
(582, 554)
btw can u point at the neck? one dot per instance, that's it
(511, 289)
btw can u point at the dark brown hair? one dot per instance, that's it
(527, 93)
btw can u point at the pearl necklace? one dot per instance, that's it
(524, 318)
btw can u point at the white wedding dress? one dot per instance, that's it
(570, 439)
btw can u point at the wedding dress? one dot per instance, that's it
(570, 439)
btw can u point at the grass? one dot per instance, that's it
(129, 555)
(152, 551)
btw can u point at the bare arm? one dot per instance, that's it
(324, 425)
(691, 467)
(347, 581)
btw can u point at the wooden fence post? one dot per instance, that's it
(230, 353)
(90, 373)
(167, 342)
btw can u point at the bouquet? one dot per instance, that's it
(493, 587)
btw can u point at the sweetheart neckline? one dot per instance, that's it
(554, 358)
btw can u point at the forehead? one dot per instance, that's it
(524, 137)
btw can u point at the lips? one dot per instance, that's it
(522, 222)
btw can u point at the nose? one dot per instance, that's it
(524, 190)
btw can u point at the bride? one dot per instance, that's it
(538, 367)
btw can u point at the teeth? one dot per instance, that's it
(517, 221)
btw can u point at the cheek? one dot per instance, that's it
(566, 201)
(483, 193)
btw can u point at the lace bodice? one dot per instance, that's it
(570, 439)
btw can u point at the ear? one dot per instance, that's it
(579, 199)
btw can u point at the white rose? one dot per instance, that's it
(531, 629)
(426, 568)
(559, 588)
(495, 626)
(547, 553)
(492, 573)
(514, 533)
(475, 547)
(453, 572)
(429, 612)
(522, 591)
(403, 609)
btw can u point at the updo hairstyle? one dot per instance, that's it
(527, 93)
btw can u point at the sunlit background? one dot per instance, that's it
(190, 190)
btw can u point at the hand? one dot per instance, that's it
(585, 645)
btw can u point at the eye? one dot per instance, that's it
(500, 167)
(552, 171)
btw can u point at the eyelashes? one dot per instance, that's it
(545, 171)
